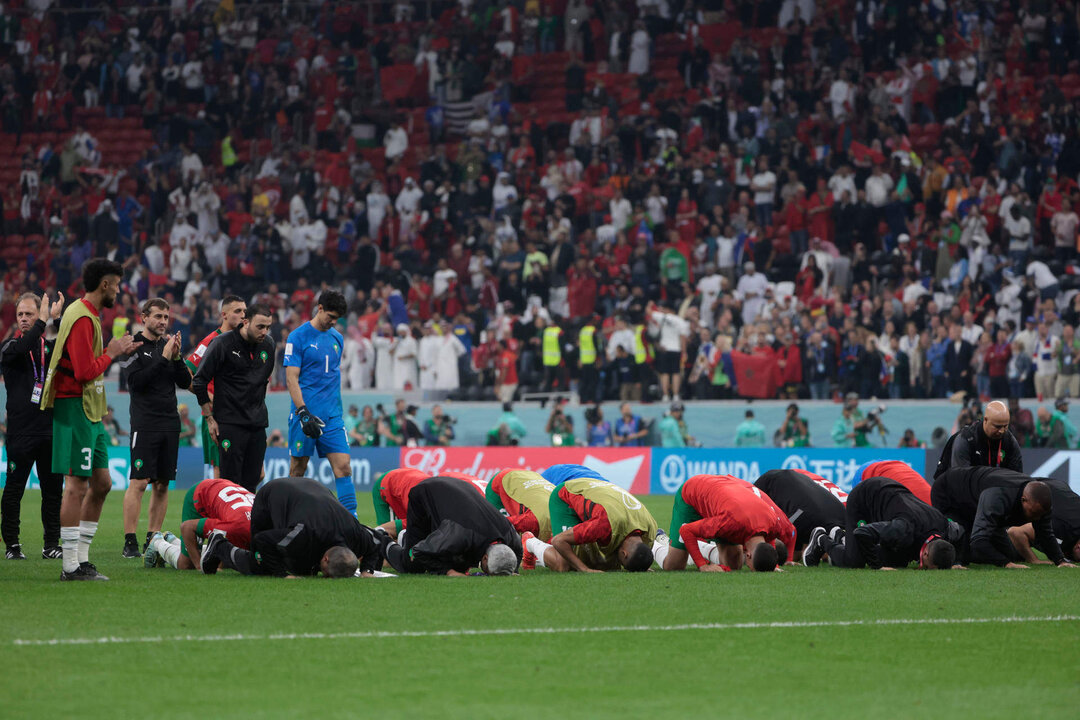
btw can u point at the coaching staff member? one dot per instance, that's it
(298, 528)
(24, 359)
(153, 374)
(989, 443)
(451, 528)
(239, 363)
(987, 502)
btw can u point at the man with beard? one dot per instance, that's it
(240, 364)
(75, 389)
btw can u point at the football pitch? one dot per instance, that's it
(820, 643)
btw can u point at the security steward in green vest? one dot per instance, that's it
(589, 354)
(551, 354)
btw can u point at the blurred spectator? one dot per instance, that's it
(630, 430)
(794, 432)
(439, 428)
(598, 431)
(673, 430)
(750, 433)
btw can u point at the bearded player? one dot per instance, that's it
(232, 317)
(216, 504)
(747, 525)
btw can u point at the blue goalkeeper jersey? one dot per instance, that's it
(318, 355)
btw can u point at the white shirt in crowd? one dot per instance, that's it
(670, 330)
(764, 184)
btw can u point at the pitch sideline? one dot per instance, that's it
(379, 634)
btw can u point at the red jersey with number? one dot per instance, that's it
(902, 473)
(833, 489)
(226, 506)
(732, 510)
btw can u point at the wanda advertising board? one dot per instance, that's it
(628, 468)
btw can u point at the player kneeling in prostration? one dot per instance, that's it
(451, 529)
(212, 505)
(523, 497)
(1065, 522)
(808, 500)
(298, 528)
(747, 525)
(390, 495)
(887, 527)
(596, 526)
(313, 376)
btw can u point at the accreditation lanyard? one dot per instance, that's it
(39, 374)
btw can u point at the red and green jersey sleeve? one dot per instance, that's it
(594, 526)
(78, 358)
(396, 486)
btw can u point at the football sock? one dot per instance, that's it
(711, 553)
(537, 547)
(69, 543)
(129, 539)
(346, 493)
(167, 550)
(87, 530)
(659, 552)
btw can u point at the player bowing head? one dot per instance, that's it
(937, 554)
(339, 562)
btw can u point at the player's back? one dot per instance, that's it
(902, 473)
(221, 498)
(558, 474)
(318, 356)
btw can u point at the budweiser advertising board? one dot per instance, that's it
(626, 467)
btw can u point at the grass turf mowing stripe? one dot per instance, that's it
(378, 634)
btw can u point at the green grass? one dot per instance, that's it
(986, 670)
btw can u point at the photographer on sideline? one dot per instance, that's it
(560, 426)
(673, 430)
(439, 430)
(794, 432)
(852, 427)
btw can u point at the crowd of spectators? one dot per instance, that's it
(870, 198)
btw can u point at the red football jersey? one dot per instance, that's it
(226, 506)
(395, 488)
(732, 510)
(833, 489)
(196, 356)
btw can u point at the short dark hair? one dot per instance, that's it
(258, 309)
(941, 554)
(333, 301)
(781, 551)
(229, 300)
(149, 305)
(1039, 493)
(341, 562)
(641, 558)
(763, 559)
(97, 269)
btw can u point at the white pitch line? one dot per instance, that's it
(390, 634)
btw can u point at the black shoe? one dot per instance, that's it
(14, 552)
(815, 548)
(837, 535)
(210, 561)
(91, 572)
(85, 571)
(131, 550)
(52, 552)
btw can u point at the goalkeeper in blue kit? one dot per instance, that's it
(313, 377)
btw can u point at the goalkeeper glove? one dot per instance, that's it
(311, 423)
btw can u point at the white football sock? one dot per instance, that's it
(69, 543)
(169, 551)
(537, 547)
(660, 551)
(711, 552)
(87, 530)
